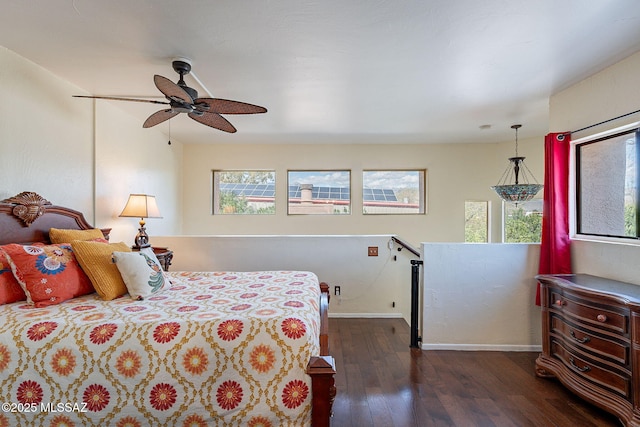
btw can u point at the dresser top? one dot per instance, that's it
(594, 284)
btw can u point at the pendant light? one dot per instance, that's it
(514, 184)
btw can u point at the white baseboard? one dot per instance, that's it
(367, 315)
(481, 347)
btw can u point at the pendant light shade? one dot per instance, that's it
(514, 185)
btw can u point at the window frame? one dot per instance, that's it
(319, 171)
(422, 191)
(215, 192)
(574, 186)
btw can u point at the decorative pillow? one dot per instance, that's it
(10, 290)
(95, 259)
(48, 274)
(141, 272)
(149, 252)
(58, 235)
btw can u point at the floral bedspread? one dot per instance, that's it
(214, 349)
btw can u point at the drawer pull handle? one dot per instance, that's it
(573, 363)
(559, 303)
(582, 340)
(601, 318)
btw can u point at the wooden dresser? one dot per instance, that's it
(591, 340)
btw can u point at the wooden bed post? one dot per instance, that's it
(322, 369)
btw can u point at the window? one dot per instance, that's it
(476, 221)
(319, 192)
(607, 186)
(244, 192)
(393, 192)
(522, 221)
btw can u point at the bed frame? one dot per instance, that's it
(27, 217)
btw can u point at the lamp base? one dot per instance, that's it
(142, 238)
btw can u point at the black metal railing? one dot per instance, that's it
(415, 301)
(404, 245)
(415, 290)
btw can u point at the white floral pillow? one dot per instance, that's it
(141, 273)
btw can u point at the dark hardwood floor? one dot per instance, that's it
(382, 382)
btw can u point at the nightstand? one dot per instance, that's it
(164, 255)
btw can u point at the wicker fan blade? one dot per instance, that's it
(225, 106)
(171, 90)
(214, 120)
(159, 117)
(116, 98)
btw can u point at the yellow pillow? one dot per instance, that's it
(95, 260)
(58, 235)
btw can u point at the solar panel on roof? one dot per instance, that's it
(379, 195)
(323, 192)
(248, 190)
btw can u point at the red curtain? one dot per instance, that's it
(555, 247)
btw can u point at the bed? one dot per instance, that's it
(208, 349)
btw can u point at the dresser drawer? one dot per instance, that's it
(595, 315)
(591, 340)
(587, 340)
(607, 379)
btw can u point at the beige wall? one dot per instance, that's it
(135, 160)
(613, 92)
(82, 154)
(610, 93)
(455, 173)
(46, 136)
(480, 297)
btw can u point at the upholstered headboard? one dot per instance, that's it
(27, 218)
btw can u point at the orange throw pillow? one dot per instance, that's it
(10, 290)
(48, 274)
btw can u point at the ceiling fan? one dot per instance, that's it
(184, 99)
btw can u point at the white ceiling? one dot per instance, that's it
(335, 71)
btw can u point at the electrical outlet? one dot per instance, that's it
(372, 251)
(336, 290)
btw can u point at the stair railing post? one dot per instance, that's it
(415, 301)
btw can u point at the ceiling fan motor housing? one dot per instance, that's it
(183, 67)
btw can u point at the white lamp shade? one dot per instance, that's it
(141, 206)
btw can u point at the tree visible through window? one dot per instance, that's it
(476, 221)
(522, 222)
(244, 192)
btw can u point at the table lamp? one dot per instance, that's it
(141, 206)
